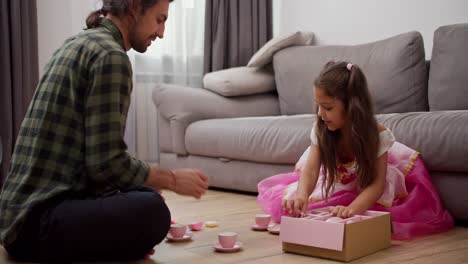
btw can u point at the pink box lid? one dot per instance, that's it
(312, 233)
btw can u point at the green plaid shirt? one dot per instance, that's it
(71, 139)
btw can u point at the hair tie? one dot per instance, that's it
(349, 66)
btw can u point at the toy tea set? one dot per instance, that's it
(317, 233)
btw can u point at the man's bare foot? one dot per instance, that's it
(148, 256)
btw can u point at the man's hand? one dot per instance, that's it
(183, 181)
(190, 182)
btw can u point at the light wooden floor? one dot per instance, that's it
(235, 212)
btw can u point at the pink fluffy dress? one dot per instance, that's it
(409, 194)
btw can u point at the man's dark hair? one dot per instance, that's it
(117, 8)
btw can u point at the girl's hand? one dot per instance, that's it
(344, 211)
(295, 207)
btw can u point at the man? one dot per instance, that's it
(73, 193)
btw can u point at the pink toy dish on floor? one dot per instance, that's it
(237, 247)
(188, 236)
(259, 228)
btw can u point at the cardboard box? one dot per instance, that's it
(344, 240)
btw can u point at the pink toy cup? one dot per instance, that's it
(334, 219)
(353, 219)
(177, 230)
(227, 239)
(262, 220)
(196, 226)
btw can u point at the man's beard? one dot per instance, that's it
(136, 43)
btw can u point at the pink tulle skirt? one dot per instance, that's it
(418, 213)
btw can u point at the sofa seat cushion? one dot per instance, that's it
(395, 69)
(440, 137)
(279, 139)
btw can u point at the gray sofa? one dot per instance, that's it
(241, 140)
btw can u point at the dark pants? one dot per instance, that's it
(116, 226)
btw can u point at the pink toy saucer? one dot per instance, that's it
(185, 238)
(259, 228)
(219, 248)
(274, 229)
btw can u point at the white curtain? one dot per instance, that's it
(177, 59)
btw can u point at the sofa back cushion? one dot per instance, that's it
(394, 67)
(448, 77)
(265, 55)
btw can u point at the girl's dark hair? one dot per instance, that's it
(346, 82)
(117, 8)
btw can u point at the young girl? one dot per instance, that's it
(354, 164)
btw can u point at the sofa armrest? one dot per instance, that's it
(182, 106)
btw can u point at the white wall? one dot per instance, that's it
(333, 21)
(360, 21)
(56, 21)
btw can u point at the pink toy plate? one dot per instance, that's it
(186, 237)
(220, 248)
(274, 229)
(258, 228)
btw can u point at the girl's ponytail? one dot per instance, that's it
(93, 19)
(117, 8)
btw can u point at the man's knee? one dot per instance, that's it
(157, 217)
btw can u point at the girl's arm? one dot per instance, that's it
(369, 195)
(307, 183)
